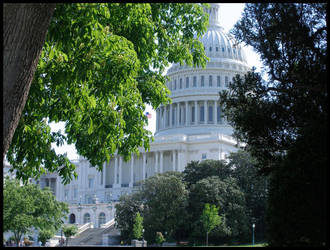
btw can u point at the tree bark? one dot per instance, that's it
(24, 32)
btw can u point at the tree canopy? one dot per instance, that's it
(270, 115)
(283, 120)
(27, 207)
(101, 63)
(172, 203)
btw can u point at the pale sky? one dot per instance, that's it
(230, 13)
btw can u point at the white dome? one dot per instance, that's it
(216, 42)
(195, 108)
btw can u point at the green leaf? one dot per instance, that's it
(51, 54)
(90, 129)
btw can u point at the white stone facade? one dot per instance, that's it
(192, 128)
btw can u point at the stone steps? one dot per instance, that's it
(91, 236)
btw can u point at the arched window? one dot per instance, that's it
(101, 218)
(87, 218)
(72, 219)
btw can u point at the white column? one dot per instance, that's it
(215, 112)
(157, 119)
(144, 165)
(187, 111)
(120, 170)
(131, 171)
(174, 159)
(177, 114)
(196, 107)
(156, 163)
(161, 161)
(179, 161)
(58, 183)
(116, 165)
(171, 112)
(205, 112)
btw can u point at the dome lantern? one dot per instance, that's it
(214, 15)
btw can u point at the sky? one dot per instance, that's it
(230, 13)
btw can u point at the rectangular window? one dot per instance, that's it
(210, 81)
(216, 49)
(218, 114)
(202, 81)
(179, 115)
(210, 114)
(210, 48)
(75, 192)
(204, 156)
(223, 49)
(173, 116)
(195, 81)
(187, 82)
(201, 114)
(226, 81)
(90, 182)
(180, 83)
(175, 84)
(192, 114)
(66, 194)
(218, 81)
(168, 118)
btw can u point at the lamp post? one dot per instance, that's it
(253, 226)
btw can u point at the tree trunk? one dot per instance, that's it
(24, 32)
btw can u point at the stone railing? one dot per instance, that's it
(84, 227)
(108, 224)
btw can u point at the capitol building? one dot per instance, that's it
(192, 128)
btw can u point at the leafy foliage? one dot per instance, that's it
(126, 210)
(45, 235)
(255, 189)
(138, 227)
(69, 231)
(165, 200)
(101, 63)
(210, 219)
(159, 238)
(227, 195)
(195, 170)
(283, 120)
(26, 207)
(173, 202)
(270, 115)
